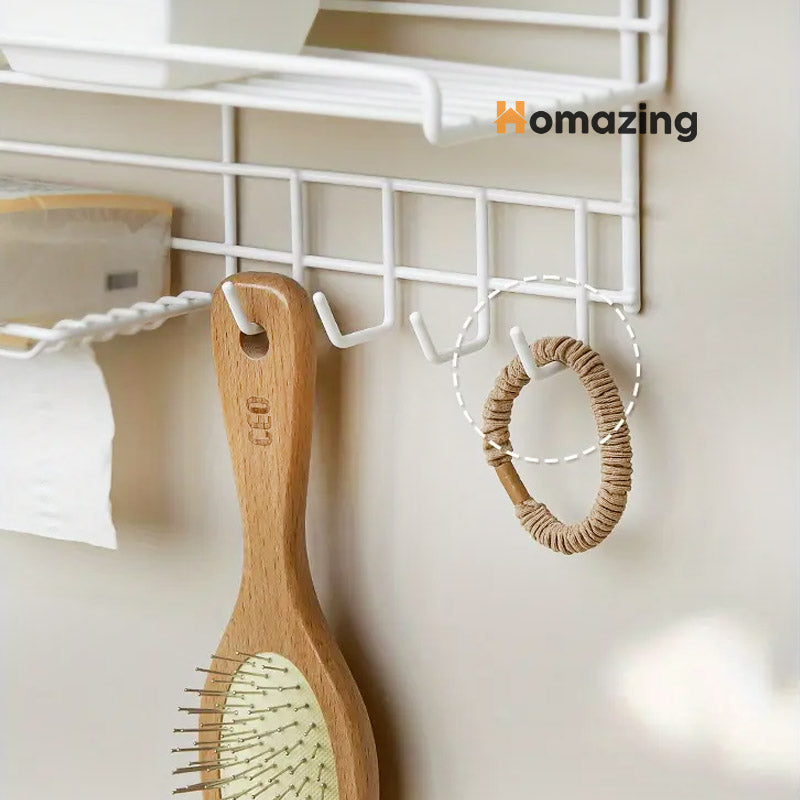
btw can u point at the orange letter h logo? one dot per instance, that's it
(510, 116)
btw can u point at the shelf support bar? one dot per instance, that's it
(658, 55)
(230, 199)
(297, 207)
(629, 169)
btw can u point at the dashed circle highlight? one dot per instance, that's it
(637, 383)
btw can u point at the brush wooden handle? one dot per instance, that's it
(267, 400)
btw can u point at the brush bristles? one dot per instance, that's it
(241, 754)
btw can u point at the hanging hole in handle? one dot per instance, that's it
(255, 346)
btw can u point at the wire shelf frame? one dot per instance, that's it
(230, 169)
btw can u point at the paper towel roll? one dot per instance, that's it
(56, 430)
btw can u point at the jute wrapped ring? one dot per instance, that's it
(615, 447)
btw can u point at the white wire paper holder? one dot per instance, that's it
(101, 327)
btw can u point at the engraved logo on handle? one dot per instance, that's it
(259, 421)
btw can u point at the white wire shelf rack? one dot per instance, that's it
(446, 99)
(483, 278)
(452, 102)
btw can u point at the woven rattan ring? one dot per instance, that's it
(615, 447)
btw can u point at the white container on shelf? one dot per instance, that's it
(274, 26)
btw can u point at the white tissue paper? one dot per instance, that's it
(56, 429)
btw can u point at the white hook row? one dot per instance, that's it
(297, 180)
(339, 339)
(429, 349)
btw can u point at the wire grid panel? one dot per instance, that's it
(103, 326)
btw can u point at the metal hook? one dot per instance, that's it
(483, 332)
(389, 285)
(524, 349)
(518, 339)
(526, 357)
(234, 303)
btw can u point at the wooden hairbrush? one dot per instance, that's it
(280, 716)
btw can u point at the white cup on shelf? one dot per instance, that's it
(273, 26)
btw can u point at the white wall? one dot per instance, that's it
(654, 667)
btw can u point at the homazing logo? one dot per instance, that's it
(513, 118)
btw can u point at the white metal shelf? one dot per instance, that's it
(453, 102)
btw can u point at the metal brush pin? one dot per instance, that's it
(260, 747)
